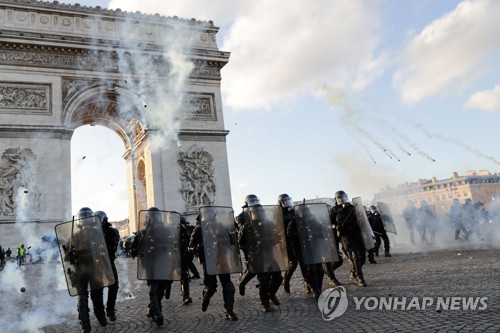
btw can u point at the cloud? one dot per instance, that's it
(447, 53)
(281, 49)
(488, 100)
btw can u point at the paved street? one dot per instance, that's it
(462, 271)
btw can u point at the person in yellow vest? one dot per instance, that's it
(20, 255)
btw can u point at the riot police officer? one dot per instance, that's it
(313, 273)
(292, 245)
(87, 270)
(112, 239)
(455, 217)
(250, 201)
(269, 282)
(410, 215)
(210, 281)
(378, 228)
(349, 231)
(158, 262)
(427, 222)
(371, 252)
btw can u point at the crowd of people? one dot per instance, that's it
(464, 219)
(20, 255)
(273, 239)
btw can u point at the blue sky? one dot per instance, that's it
(325, 95)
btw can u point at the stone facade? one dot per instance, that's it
(152, 79)
(479, 186)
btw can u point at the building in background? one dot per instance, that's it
(479, 186)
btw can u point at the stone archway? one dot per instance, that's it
(64, 66)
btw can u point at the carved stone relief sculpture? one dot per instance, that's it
(197, 177)
(19, 193)
(17, 98)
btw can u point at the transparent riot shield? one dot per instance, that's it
(220, 240)
(265, 239)
(364, 224)
(84, 255)
(315, 233)
(159, 256)
(385, 214)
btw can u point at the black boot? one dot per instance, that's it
(265, 307)
(207, 294)
(274, 299)
(387, 254)
(371, 257)
(244, 279)
(158, 319)
(111, 313)
(286, 286)
(83, 315)
(360, 281)
(230, 315)
(185, 293)
(98, 304)
(228, 297)
(286, 281)
(150, 313)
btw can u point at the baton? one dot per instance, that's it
(72, 228)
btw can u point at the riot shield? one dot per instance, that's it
(84, 255)
(364, 224)
(265, 239)
(315, 233)
(220, 241)
(385, 214)
(159, 256)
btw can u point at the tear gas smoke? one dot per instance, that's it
(455, 141)
(158, 79)
(32, 303)
(352, 117)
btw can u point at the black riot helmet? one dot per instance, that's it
(102, 216)
(85, 212)
(341, 197)
(251, 200)
(86, 216)
(285, 200)
(373, 209)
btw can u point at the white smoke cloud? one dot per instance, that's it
(447, 53)
(279, 48)
(488, 100)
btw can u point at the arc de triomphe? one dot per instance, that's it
(154, 80)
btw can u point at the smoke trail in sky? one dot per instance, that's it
(457, 142)
(350, 118)
(398, 134)
(362, 144)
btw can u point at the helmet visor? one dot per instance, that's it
(342, 199)
(287, 202)
(253, 201)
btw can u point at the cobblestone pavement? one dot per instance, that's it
(458, 272)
